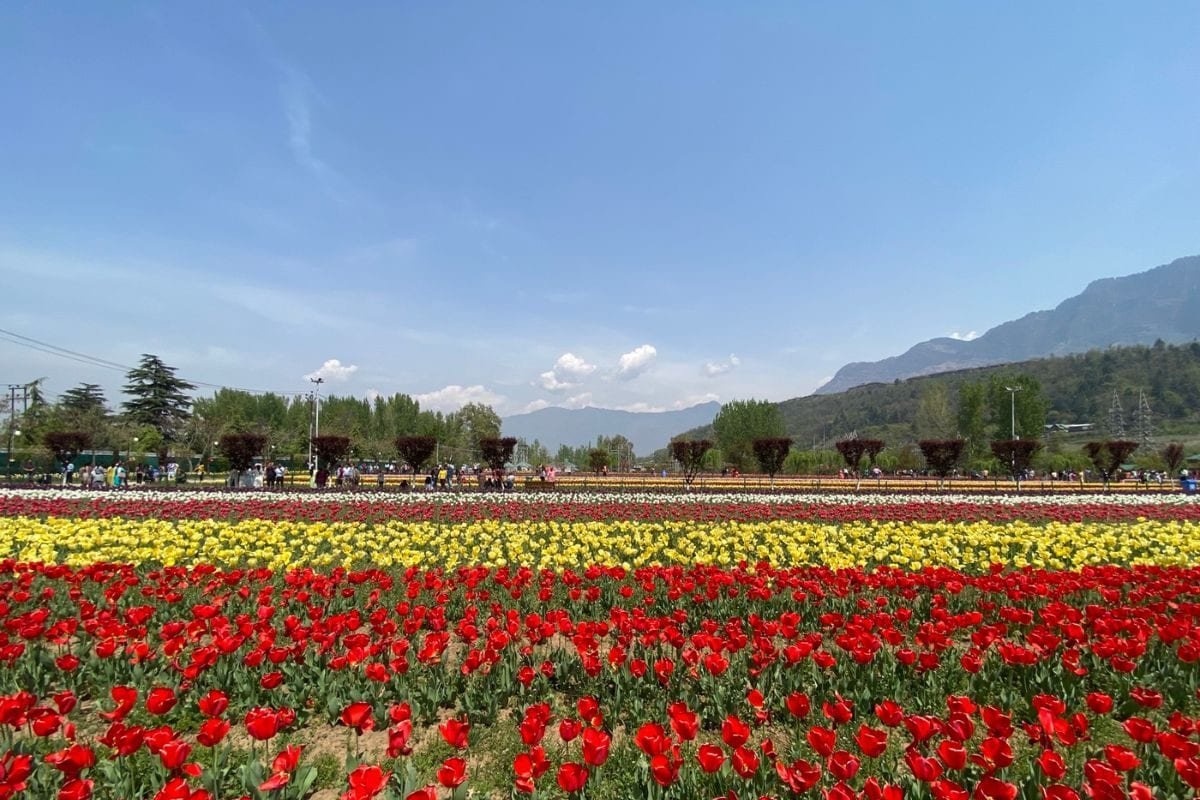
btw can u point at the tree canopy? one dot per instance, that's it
(158, 398)
(739, 423)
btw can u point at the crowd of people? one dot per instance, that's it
(118, 475)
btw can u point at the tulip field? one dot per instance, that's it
(224, 645)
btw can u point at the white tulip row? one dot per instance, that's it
(569, 497)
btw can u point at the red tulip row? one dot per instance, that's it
(233, 508)
(118, 681)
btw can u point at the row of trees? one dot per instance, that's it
(160, 416)
(941, 457)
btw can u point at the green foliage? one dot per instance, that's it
(1028, 401)
(934, 418)
(739, 423)
(158, 399)
(597, 459)
(1074, 388)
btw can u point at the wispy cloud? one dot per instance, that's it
(297, 101)
(964, 337)
(714, 368)
(454, 397)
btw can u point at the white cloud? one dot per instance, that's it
(636, 361)
(565, 373)
(579, 401)
(642, 407)
(551, 383)
(714, 368)
(333, 370)
(454, 397)
(536, 405)
(965, 337)
(571, 364)
(373, 395)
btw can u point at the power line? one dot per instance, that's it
(45, 347)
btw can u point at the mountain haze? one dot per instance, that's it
(1161, 303)
(648, 431)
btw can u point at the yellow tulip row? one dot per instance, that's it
(560, 545)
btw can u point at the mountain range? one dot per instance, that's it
(648, 431)
(1161, 303)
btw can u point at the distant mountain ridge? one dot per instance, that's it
(1161, 303)
(647, 430)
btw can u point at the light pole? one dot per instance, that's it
(316, 431)
(11, 433)
(129, 450)
(1012, 393)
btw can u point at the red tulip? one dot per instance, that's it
(734, 732)
(212, 732)
(455, 732)
(571, 777)
(651, 739)
(595, 747)
(262, 723)
(710, 757)
(870, 741)
(160, 700)
(745, 762)
(452, 772)
(359, 716)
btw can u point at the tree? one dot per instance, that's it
(1027, 404)
(852, 451)
(65, 445)
(941, 456)
(597, 459)
(771, 453)
(1015, 455)
(872, 448)
(933, 419)
(477, 421)
(690, 455)
(1172, 456)
(971, 425)
(415, 450)
(157, 398)
(240, 449)
(1107, 457)
(330, 449)
(497, 451)
(739, 423)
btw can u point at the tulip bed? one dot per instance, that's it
(186, 646)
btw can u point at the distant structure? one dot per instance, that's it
(1142, 419)
(1116, 417)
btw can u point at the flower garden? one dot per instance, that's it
(197, 645)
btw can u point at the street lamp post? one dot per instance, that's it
(1012, 393)
(11, 433)
(129, 450)
(316, 429)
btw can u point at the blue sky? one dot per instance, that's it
(626, 205)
